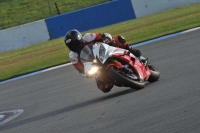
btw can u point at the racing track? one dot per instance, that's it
(61, 101)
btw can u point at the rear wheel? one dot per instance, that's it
(155, 74)
(130, 80)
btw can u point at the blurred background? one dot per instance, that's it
(17, 12)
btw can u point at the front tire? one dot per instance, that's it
(126, 81)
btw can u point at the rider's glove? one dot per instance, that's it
(106, 38)
(135, 52)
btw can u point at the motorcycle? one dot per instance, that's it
(118, 66)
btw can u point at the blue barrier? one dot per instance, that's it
(89, 18)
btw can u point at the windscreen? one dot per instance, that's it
(86, 53)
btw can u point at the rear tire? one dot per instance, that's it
(126, 81)
(155, 74)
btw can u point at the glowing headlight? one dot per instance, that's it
(94, 61)
(93, 70)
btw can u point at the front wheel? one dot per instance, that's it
(125, 80)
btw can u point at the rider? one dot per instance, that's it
(75, 42)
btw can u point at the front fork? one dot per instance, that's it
(114, 63)
(107, 64)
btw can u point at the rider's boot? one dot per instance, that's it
(144, 60)
(138, 54)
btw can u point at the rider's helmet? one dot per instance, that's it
(73, 40)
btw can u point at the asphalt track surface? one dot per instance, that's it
(61, 101)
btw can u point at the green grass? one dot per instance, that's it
(54, 52)
(17, 12)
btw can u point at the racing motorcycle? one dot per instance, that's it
(118, 66)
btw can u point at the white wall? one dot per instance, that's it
(23, 35)
(148, 7)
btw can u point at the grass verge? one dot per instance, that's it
(17, 12)
(54, 52)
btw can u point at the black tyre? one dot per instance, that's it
(155, 74)
(125, 80)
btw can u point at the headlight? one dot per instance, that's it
(94, 61)
(93, 70)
